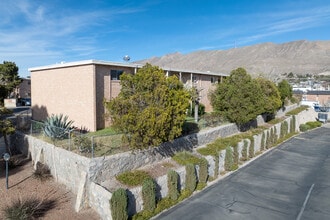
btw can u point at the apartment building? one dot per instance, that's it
(78, 89)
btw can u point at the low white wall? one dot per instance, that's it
(66, 167)
(99, 200)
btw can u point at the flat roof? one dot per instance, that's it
(109, 63)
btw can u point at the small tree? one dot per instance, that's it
(6, 128)
(251, 148)
(293, 124)
(149, 194)
(239, 98)
(229, 159)
(9, 79)
(203, 171)
(245, 150)
(262, 145)
(172, 184)
(285, 90)
(118, 205)
(191, 178)
(150, 108)
(271, 95)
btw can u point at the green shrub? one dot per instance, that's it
(29, 208)
(184, 194)
(251, 148)
(304, 127)
(149, 194)
(297, 110)
(274, 135)
(42, 172)
(262, 145)
(235, 154)
(143, 215)
(172, 184)
(293, 124)
(184, 158)
(229, 160)
(268, 140)
(309, 125)
(191, 178)
(208, 150)
(133, 178)
(118, 204)
(203, 171)
(245, 150)
(216, 167)
(163, 204)
(284, 129)
(314, 124)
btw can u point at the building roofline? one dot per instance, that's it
(109, 63)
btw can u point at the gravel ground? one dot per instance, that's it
(22, 185)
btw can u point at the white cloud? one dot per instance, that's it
(36, 32)
(286, 22)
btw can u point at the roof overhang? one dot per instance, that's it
(108, 63)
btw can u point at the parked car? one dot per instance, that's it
(24, 101)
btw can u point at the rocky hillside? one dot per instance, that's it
(268, 59)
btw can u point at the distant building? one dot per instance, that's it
(24, 89)
(321, 97)
(78, 89)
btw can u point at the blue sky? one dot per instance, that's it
(38, 32)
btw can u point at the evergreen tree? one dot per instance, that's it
(150, 108)
(285, 90)
(9, 79)
(239, 98)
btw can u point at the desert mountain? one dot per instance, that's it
(267, 59)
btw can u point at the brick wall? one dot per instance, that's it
(69, 91)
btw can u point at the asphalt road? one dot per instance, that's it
(292, 181)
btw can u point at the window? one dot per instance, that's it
(115, 74)
(212, 79)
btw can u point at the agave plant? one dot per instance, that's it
(57, 126)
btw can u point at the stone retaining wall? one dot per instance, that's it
(84, 176)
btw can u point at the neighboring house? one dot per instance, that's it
(24, 88)
(78, 89)
(315, 96)
(20, 93)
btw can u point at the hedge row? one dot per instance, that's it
(198, 180)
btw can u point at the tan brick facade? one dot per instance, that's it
(69, 90)
(78, 89)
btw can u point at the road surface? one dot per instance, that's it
(292, 181)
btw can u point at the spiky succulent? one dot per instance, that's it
(57, 126)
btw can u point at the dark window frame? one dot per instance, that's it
(115, 74)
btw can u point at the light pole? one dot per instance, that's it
(6, 157)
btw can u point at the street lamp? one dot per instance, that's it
(6, 157)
